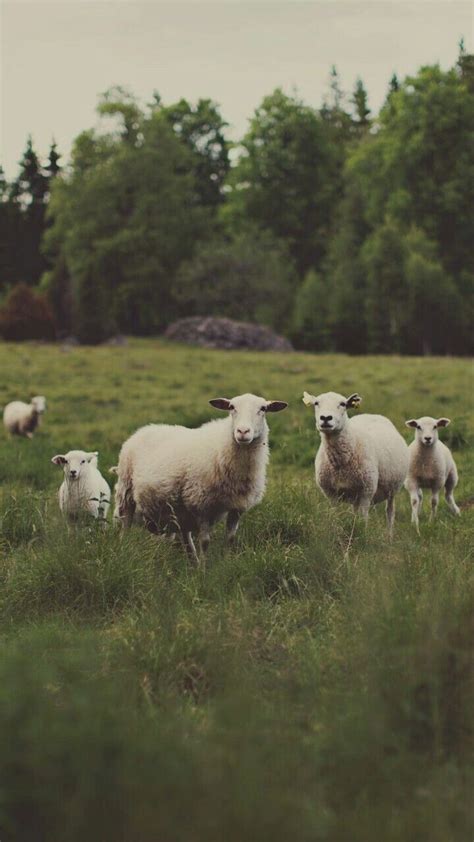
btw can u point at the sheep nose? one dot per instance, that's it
(73, 473)
(243, 431)
(326, 417)
(427, 439)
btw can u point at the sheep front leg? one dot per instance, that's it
(232, 525)
(204, 538)
(434, 504)
(190, 546)
(390, 510)
(416, 499)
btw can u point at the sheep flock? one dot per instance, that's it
(181, 481)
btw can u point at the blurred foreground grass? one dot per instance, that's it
(294, 690)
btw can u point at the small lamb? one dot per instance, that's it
(362, 460)
(21, 418)
(431, 466)
(184, 479)
(84, 489)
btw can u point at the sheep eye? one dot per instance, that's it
(343, 403)
(263, 408)
(82, 461)
(231, 407)
(418, 427)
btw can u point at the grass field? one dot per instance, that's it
(295, 689)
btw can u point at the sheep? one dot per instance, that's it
(431, 465)
(84, 489)
(181, 479)
(22, 419)
(362, 460)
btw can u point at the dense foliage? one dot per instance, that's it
(344, 230)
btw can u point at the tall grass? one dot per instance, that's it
(314, 683)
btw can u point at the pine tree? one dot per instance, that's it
(29, 192)
(52, 167)
(362, 110)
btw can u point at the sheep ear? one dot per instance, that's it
(443, 422)
(221, 403)
(275, 406)
(59, 459)
(93, 455)
(308, 400)
(353, 400)
(412, 423)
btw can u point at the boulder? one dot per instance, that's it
(213, 332)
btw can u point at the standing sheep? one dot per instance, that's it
(431, 466)
(84, 489)
(362, 460)
(174, 476)
(22, 419)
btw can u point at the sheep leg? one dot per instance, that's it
(390, 511)
(362, 508)
(232, 525)
(448, 491)
(190, 546)
(416, 499)
(434, 504)
(204, 538)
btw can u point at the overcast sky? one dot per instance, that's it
(57, 57)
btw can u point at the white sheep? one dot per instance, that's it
(431, 466)
(21, 418)
(362, 460)
(184, 479)
(84, 489)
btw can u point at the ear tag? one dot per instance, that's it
(308, 399)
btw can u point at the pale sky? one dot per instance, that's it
(57, 57)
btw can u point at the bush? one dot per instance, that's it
(26, 315)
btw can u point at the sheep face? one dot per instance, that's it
(75, 463)
(427, 429)
(330, 410)
(39, 404)
(248, 414)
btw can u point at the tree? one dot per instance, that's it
(123, 220)
(247, 277)
(201, 128)
(360, 103)
(310, 325)
(286, 179)
(25, 315)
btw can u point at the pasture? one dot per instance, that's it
(302, 687)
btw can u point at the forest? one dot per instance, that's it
(342, 229)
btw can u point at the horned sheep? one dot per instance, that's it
(84, 489)
(431, 466)
(21, 418)
(178, 478)
(362, 460)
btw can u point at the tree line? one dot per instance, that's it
(344, 230)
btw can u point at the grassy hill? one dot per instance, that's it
(300, 688)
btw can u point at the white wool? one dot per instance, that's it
(194, 477)
(362, 460)
(84, 489)
(431, 465)
(22, 418)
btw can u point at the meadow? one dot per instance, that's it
(303, 686)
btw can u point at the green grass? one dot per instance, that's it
(303, 687)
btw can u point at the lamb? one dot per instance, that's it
(362, 460)
(84, 489)
(181, 479)
(22, 419)
(431, 466)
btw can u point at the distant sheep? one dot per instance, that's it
(84, 489)
(22, 419)
(431, 466)
(188, 479)
(362, 460)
